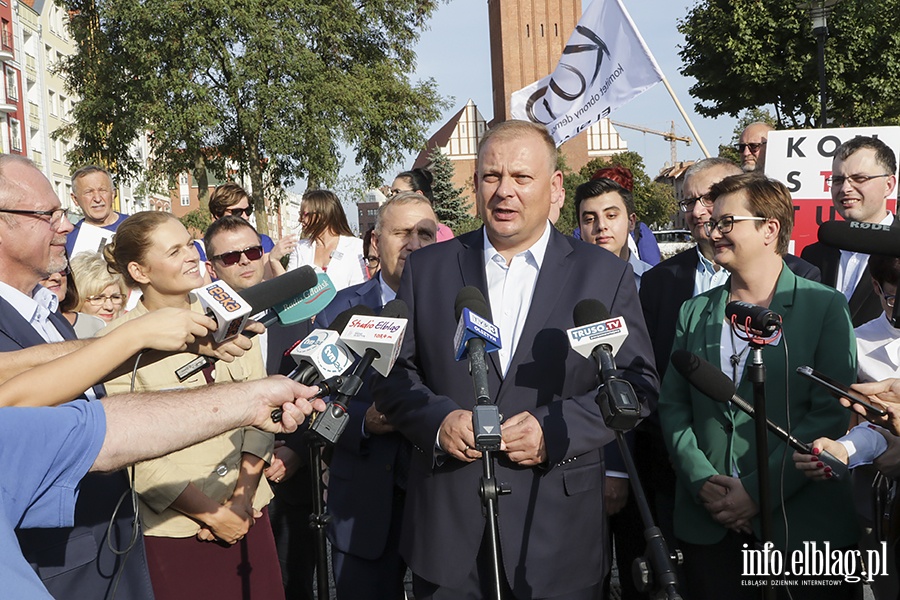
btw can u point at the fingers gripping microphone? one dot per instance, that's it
(475, 337)
(217, 297)
(377, 340)
(714, 383)
(598, 335)
(322, 355)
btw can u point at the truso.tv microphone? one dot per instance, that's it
(712, 382)
(475, 337)
(258, 298)
(377, 340)
(600, 336)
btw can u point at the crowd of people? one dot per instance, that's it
(124, 480)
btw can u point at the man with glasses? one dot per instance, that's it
(664, 288)
(367, 485)
(235, 255)
(93, 192)
(752, 146)
(863, 175)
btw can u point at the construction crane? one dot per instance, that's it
(667, 135)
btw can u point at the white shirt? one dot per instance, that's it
(639, 267)
(387, 294)
(346, 267)
(510, 289)
(878, 349)
(852, 265)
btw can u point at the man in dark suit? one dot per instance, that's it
(863, 175)
(552, 524)
(72, 562)
(231, 243)
(370, 463)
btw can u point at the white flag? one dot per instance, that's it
(604, 65)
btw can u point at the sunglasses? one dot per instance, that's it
(233, 257)
(238, 212)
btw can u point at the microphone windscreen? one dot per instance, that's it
(589, 311)
(277, 290)
(868, 238)
(703, 376)
(395, 309)
(471, 297)
(340, 321)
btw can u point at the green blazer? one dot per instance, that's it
(705, 438)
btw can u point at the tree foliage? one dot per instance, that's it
(752, 53)
(275, 87)
(449, 205)
(654, 202)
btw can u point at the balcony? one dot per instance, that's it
(6, 54)
(7, 108)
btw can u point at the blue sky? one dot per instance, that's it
(455, 51)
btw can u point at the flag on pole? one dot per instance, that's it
(604, 65)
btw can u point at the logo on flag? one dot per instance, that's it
(604, 65)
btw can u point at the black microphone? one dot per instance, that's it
(329, 425)
(855, 236)
(473, 334)
(262, 297)
(714, 383)
(752, 317)
(616, 398)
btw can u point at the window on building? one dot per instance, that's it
(183, 179)
(15, 135)
(57, 152)
(51, 97)
(12, 84)
(5, 34)
(63, 107)
(185, 200)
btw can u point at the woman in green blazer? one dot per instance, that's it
(712, 445)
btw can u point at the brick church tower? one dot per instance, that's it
(527, 40)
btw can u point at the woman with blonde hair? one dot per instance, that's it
(206, 531)
(101, 292)
(326, 242)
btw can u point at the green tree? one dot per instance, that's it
(275, 86)
(197, 222)
(654, 202)
(751, 53)
(449, 205)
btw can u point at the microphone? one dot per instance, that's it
(322, 354)
(855, 236)
(226, 307)
(259, 298)
(308, 303)
(475, 337)
(712, 382)
(379, 339)
(754, 319)
(598, 335)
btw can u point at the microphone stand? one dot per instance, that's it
(319, 519)
(486, 425)
(756, 371)
(655, 571)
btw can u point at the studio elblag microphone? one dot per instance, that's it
(377, 340)
(599, 336)
(867, 238)
(231, 310)
(475, 337)
(715, 384)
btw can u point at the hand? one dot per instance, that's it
(264, 395)
(736, 508)
(169, 329)
(285, 463)
(523, 440)
(282, 248)
(457, 438)
(814, 468)
(711, 492)
(229, 524)
(615, 495)
(884, 394)
(376, 423)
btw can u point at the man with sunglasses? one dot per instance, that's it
(236, 256)
(93, 192)
(863, 176)
(752, 146)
